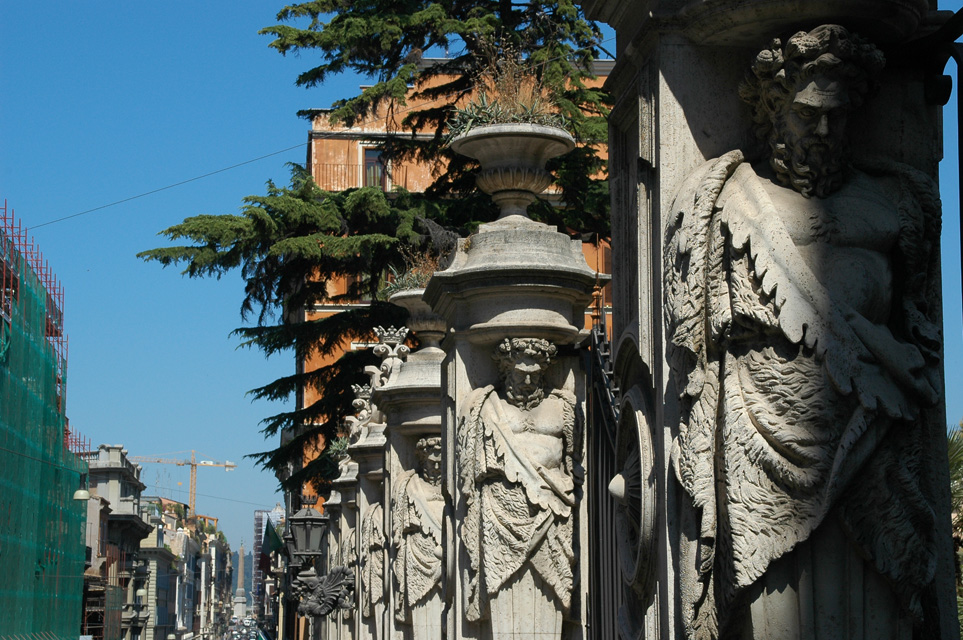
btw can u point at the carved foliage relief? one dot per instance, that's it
(372, 571)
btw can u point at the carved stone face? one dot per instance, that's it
(818, 110)
(429, 457)
(523, 383)
(809, 132)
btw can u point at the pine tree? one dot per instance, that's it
(290, 243)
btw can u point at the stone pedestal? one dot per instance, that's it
(514, 301)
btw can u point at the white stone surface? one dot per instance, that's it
(418, 506)
(513, 158)
(518, 469)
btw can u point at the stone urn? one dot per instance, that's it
(515, 277)
(512, 158)
(427, 325)
(412, 398)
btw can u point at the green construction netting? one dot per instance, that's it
(41, 527)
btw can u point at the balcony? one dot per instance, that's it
(339, 177)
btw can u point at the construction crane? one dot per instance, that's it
(194, 464)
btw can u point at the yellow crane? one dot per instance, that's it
(194, 464)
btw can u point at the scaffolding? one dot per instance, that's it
(42, 550)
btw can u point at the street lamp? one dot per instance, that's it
(289, 548)
(317, 595)
(82, 494)
(307, 528)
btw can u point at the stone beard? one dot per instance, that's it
(418, 506)
(517, 469)
(804, 342)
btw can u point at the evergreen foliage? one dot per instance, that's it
(289, 245)
(387, 42)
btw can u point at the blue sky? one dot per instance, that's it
(106, 100)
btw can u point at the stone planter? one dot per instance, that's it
(514, 300)
(513, 158)
(427, 325)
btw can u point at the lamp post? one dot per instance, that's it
(307, 528)
(318, 595)
(82, 494)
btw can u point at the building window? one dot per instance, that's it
(375, 173)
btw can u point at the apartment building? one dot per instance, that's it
(115, 585)
(41, 548)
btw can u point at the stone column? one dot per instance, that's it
(514, 300)
(338, 545)
(368, 448)
(784, 469)
(411, 402)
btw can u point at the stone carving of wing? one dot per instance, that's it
(418, 538)
(690, 258)
(333, 591)
(856, 354)
(373, 542)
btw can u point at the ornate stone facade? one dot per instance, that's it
(372, 569)
(773, 465)
(418, 507)
(792, 439)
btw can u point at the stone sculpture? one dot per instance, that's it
(392, 350)
(320, 595)
(417, 507)
(372, 546)
(354, 425)
(803, 337)
(518, 470)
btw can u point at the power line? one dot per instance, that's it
(51, 463)
(205, 495)
(170, 186)
(274, 153)
(153, 486)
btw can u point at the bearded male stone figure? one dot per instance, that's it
(418, 505)
(803, 337)
(517, 467)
